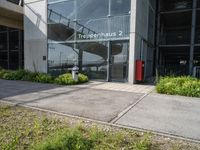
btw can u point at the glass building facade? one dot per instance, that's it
(93, 34)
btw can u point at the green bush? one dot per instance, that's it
(82, 78)
(185, 86)
(66, 79)
(66, 140)
(24, 75)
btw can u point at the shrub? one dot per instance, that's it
(185, 86)
(66, 140)
(82, 78)
(43, 78)
(66, 79)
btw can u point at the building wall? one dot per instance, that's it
(141, 36)
(35, 35)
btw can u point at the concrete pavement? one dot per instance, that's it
(119, 104)
(174, 115)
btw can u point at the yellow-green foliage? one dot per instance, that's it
(185, 86)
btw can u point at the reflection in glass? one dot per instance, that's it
(120, 26)
(119, 61)
(61, 32)
(61, 57)
(61, 11)
(92, 29)
(120, 7)
(88, 9)
(94, 59)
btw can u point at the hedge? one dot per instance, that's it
(24, 75)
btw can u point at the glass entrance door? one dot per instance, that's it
(119, 61)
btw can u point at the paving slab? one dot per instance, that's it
(175, 115)
(83, 101)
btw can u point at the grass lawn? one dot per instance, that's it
(22, 128)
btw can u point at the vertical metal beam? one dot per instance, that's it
(20, 49)
(193, 28)
(109, 61)
(157, 36)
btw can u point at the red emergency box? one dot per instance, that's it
(139, 72)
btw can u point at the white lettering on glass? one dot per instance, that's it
(100, 35)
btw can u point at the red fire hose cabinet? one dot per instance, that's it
(139, 72)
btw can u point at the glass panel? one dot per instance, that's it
(168, 5)
(88, 9)
(61, 57)
(120, 7)
(3, 56)
(3, 41)
(61, 32)
(174, 29)
(14, 60)
(92, 29)
(120, 26)
(119, 61)
(61, 11)
(94, 59)
(197, 39)
(197, 56)
(14, 40)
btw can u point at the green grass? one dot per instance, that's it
(185, 86)
(24, 75)
(22, 129)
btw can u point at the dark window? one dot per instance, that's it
(3, 56)
(14, 40)
(197, 38)
(14, 60)
(175, 29)
(197, 56)
(88, 9)
(3, 41)
(198, 3)
(120, 7)
(170, 5)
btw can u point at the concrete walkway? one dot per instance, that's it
(120, 104)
